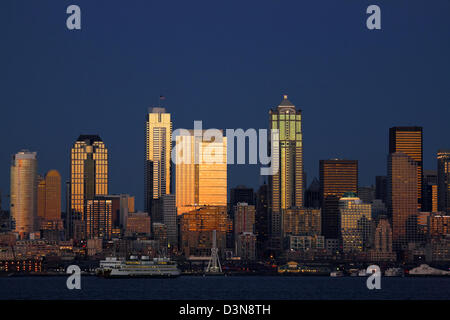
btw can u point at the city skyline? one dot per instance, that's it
(222, 75)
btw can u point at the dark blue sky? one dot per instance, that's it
(226, 63)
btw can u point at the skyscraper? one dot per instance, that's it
(336, 178)
(88, 176)
(201, 172)
(409, 140)
(157, 156)
(443, 177)
(402, 195)
(49, 201)
(286, 186)
(24, 192)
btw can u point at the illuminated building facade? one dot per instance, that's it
(301, 222)
(49, 201)
(443, 177)
(88, 177)
(98, 217)
(286, 185)
(336, 178)
(201, 171)
(402, 196)
(157, 156)
(138, 223)
(197, 227)
(409, 141)
(24, 193)
(355, 223)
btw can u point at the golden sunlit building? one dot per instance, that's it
(88, 176)
(24, 193)
(201, 171)
(286, 185)
(49, 201)
(409, 140)
(157, 156)
(197, 227)
(336, 178)
(443, 176)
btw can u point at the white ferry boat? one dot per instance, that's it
(113, 267)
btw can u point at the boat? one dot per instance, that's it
(133, 267)
(394, 272)
(426, 270)
(362, 273)
(336, 274)
(294, 268)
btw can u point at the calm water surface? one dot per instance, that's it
(234, 287)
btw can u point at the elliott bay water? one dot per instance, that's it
(231, 287)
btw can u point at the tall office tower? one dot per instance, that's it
(49, 201)
(241, 194)
(24, 192)
(409, 140)
(88, 177)
(430, 191)
(262, 218)
(201, 171)
(312, 195)
(98, 217)
(286, 186)
(402, 196)
(443, 177)
(244, 218)
(381, 188)
(336, 178)
(157, 156)
(355, 223)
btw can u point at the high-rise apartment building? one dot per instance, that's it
(409, 140)
(201, 171)
(88, 176)
(336, 178)
(157, 156)
(443, 180)
(24, 193)
(286, 185)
